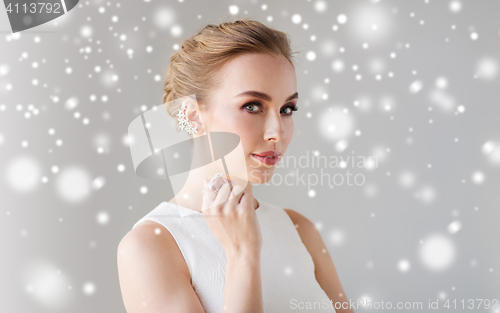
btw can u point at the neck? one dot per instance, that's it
(191, 196)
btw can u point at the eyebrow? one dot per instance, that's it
(264, 96)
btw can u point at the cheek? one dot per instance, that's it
(292, 127)
(249, 135)
(289, 132)
(245, 128)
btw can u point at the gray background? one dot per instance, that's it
(438, 149)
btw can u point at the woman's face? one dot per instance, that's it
(255, 101)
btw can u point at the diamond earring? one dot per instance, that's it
(184, 123)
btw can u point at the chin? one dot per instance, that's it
(260, 176)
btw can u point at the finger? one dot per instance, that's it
(232, 202)
(243, 202)
(236, 194)
(208, 198)
(247, 201)
(218, 182)
(237, 189)
(222, 194)
(234, 197)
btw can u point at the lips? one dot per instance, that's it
(269, 153)
(267, 157)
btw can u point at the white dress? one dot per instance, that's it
(287, 269)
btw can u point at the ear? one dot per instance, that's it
(193, 114)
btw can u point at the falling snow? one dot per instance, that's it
(378, 79)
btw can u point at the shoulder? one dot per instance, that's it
(304, 226)
(308, 232)
(294, 215)
(324, 268)
(144, 235)
(152, 271)
(310, 236)
(149, 243)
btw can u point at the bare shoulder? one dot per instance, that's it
(308, 232)
(153, 273)
(310, 236)
(324, 269)
(298, 219)
(149, 240)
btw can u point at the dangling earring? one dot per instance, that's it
(184, 123)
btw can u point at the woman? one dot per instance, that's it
(242, 255)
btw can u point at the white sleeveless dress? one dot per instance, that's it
(287, 269)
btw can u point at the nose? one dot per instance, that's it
(274, 128)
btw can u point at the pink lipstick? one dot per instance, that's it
(267, 157)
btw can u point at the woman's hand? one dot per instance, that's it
(233, 220)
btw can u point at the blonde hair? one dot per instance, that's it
(193, 69)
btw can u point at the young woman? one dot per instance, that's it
(241, 255)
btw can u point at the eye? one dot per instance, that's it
(252, 106)
(289, 109)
